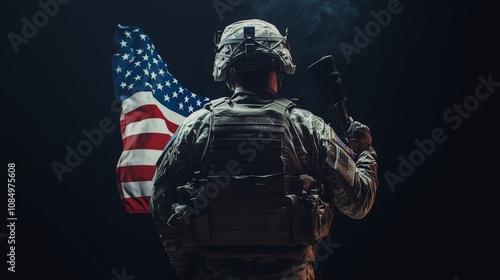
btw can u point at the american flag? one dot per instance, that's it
(153, 104)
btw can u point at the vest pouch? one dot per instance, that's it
(181, 223)
(242, 210)
(321, 219)
(301, 224)
(190, 220)
(311, 220)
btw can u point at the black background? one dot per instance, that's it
(440, 223)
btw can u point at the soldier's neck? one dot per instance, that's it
(265, 81)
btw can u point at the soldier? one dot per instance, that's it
(243, 189)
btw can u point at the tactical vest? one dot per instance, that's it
(246, 196)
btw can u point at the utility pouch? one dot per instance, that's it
(321, 219)
(312, 219)
(188, 218)
(181, 223)
(301, 225)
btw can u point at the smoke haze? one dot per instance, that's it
(317, 26)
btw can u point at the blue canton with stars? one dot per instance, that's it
(137, 66)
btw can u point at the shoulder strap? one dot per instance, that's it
(287, 104)
(214, 103)
(210, 106)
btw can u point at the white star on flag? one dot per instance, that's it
(147, 121)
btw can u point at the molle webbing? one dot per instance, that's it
(245, 222)
(246, 180)
(251, 137)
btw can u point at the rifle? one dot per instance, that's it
(327, 82)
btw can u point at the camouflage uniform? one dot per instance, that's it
(312, 141)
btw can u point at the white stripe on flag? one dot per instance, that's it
(139, 157)
(137, 189)
(152, 125)
(172, 116)
(137, 100)
(141, 98)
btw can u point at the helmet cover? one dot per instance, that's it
(268, 42)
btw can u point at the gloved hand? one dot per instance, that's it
(359, 137)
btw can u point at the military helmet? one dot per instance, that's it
(246, 44)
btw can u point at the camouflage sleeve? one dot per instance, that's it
(176, 166)
(314, 146)
(357, 200)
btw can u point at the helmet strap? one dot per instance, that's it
(279, 75)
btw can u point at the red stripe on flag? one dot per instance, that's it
(135, 173)
(137, 205)
(153, 141)
(146, 112)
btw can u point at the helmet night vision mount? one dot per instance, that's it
(248, 44)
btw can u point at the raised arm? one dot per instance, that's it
(356, 201)
(315, 146)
